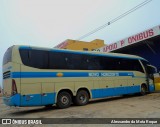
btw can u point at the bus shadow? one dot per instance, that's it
(113, 98)
(44, 109)
(32, 111)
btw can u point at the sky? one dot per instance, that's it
(47, 23)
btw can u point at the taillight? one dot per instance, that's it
(14, 87)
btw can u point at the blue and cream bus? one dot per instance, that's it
(35, 76)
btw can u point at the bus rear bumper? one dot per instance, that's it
(12, 101)
(30, 100)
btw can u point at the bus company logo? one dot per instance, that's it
(59, 74)
(6, 121)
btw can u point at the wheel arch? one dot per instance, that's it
(86, 89)
(145, 85)
(144, 89)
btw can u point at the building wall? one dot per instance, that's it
(81, 45)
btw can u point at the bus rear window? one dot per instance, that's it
(7, 56)
(34, 58)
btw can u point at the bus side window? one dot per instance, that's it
(57, 60)
(137, 66)
(24, 56)
(107, 63)
(76, 60)
(38, 59)
(93, 63)
(84, 62)
(34, 58)
(145, 65)
(69, 61)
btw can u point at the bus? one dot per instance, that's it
(35, 76)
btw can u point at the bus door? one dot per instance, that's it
(150, 71)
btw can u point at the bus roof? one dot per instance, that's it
(120, 55)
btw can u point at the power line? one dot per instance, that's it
(115, 19)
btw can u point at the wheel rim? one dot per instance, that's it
(143, 90)
(64, 100)
(83, 98)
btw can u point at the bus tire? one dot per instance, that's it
(63, 100)
(143, 90)
(82, 98)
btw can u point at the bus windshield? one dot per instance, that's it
(7, 56)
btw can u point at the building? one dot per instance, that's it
(81, 45)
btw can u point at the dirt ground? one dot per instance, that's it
(131, 106)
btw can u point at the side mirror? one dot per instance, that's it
(159, 70)
(151, 69)
(151, 76)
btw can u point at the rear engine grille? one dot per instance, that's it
(6, 74)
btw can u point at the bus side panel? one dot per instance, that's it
(84, 84)
(48, 94)
(31, 94)
(106, 88)
(95, 91)
(134, 85)
(121, 86)
(111, 86)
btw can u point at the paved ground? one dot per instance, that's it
(147, 106)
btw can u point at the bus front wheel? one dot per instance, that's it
(143, 90)
(64, 100)
(81, 98)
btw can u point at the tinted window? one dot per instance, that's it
(57, 60)
(136, 65)
(60, 60)
(73, 61)
(145, 63)
(92, 62)
(109, 63)
(34, 58)
(7, 56)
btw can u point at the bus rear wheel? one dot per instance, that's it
(81, 98)
(64, 100)
(143, 90)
